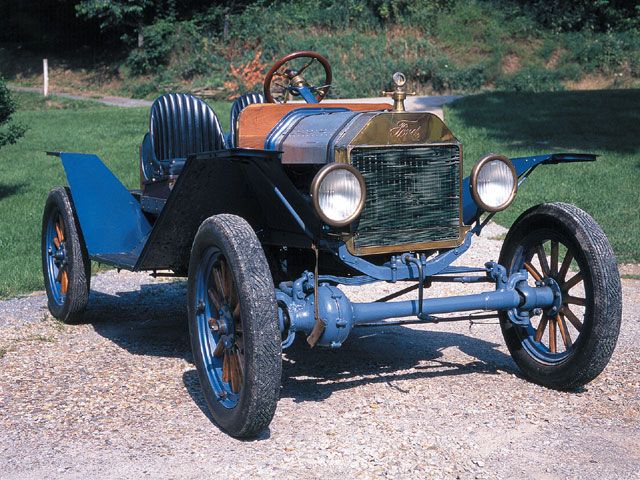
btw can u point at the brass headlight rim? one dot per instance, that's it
(315, 186)
(474, 178)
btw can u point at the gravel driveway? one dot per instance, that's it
(118, 397)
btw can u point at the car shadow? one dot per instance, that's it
(152, 321)
(7, 190)
(593, 121)
(385, 355)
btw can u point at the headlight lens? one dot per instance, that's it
(338, 194)
(494, 183)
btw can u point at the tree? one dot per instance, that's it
(125, 16)
(9, 132)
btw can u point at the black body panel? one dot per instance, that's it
(242, 182)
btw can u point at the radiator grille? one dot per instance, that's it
(413, 195)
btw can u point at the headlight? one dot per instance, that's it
(338, 194)
(494, 183)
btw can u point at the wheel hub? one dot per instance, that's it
(59, 255)
(224, 325)
(550, 282)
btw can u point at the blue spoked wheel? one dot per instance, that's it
(233, 325)
(562, 245)
(219, 326)
(65, 263)
(57, 275)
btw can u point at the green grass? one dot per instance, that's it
(601, 122)
(27, 174)
(630, 277)
(32, 101)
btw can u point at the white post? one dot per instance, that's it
(45, 71)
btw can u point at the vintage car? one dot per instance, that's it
(303, 196)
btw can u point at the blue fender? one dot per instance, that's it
(111, 220)
(523, 165)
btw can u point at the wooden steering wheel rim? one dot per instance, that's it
(302, 53)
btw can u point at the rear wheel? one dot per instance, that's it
(569, 348)
(65, 262)
(233, 325)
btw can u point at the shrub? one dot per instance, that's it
(595, 15)
(158, 44)
(444, 75)
(531, 78)
(141, 89)
(9, 132)
(441, 45)
(603, 52)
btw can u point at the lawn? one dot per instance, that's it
(27, 174)
(602, 122)
(513, 124)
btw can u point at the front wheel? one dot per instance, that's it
(233, 325)
(560, 242)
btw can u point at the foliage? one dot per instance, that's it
(9, 132)
(608, 53)
(247, 76)
(157, 48)
(113, 14)
(531, 79)
(127, 17)
(444, 46)
(577, 15)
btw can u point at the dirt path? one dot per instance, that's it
(420, 103)
(118, 397)
(107, 100)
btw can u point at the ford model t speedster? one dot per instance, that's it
(302, 196)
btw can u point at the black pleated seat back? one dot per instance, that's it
(181, 125)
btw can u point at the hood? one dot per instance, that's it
(323, 135)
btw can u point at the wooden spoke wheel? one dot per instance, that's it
(233, 325)
(288, 72)
(65, 262)
(571, 347)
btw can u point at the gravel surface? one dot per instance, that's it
(119, 397)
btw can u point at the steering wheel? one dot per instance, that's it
(283, 81)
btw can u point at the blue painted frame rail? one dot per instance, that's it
(112, 222)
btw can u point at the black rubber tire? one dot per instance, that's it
(260, 392)
(596, 342)
(79, 266)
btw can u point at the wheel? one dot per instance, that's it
(277, 90)
(233, 325)
(560, 242)
(65, 262)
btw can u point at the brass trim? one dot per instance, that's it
(474, 178)
(403, 247)
(410, 145)
(317, 181)
(399, 94)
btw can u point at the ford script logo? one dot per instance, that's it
(407, 130)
